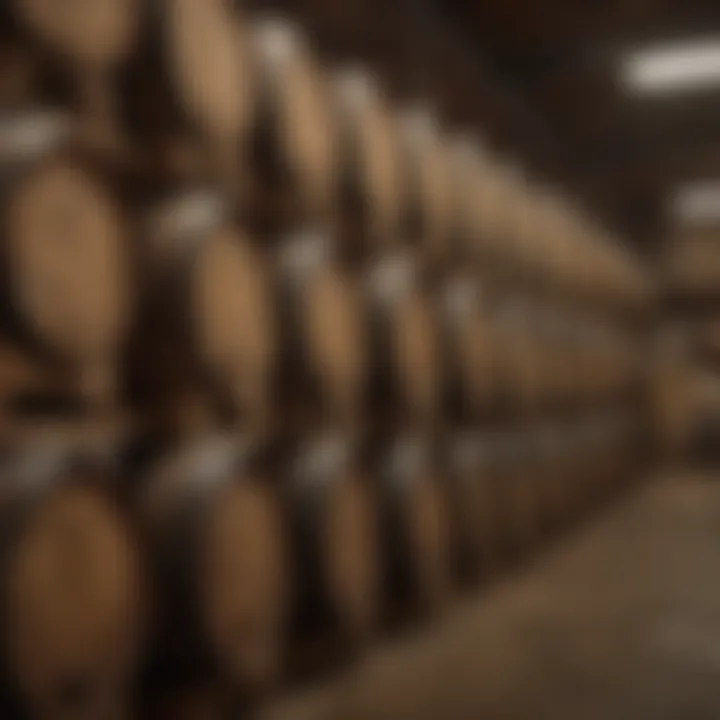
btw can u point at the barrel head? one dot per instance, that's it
(352, 556)
(299, 103)
(232, 316)
(74, 604)
(210, 65)
(415, 347)
(243, 584)
(427, 525)
(333, 320)
(68, 260)
(371, 143)
(91, 32)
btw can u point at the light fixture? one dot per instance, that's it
(697, 203)
(674, 67)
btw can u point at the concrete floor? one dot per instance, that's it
(620, 622)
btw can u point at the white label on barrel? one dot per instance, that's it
(277, 40)
(406, 461)
(304, 252)
(212, 461)
(27, 137)
(355, 89)
(419, 125)
(36, 466)
(190, 216)
(391, 279)
(322, 462)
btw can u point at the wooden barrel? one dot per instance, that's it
(489, 213)
(324, 349)
(547, 351)
(631, 436)
(532, 509)
(215, 530)
(574, 375)
(673, 400)
(617, 441)
(186, 97)
(571, 469)
(204, 702)
(609, 371)
(511, 296)
(559, 308)
(586, 354)
(569, 369)
(595, 449)
(557, 238)
(599, 345)
(604, 449)
(467, 346)
(204, 348)
(207, 53)
(464, 158)
(72, 55)
(19, 62)
(620, 437)
(472, 503)
(498, 471)
(586, 473)
(415, 526)
(525, 250)
(96, 33)
(549, 440)
(425, 171)
(509, 222)
(73, 590)
(294, 164)
(75, 54)
(539, 452)
(516, 362)
(65, 252)
(561, 459)
(578, 475)
(404, 356)
(369, 164)
(551, 360)
(630, 361)
(335, 541)
(516, 474)
(585, 379)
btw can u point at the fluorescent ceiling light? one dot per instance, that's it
(698, 203)
(686, 66)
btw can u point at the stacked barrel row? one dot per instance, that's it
(282, 361)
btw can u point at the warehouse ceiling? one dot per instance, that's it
(627, 153)
(541, 80)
